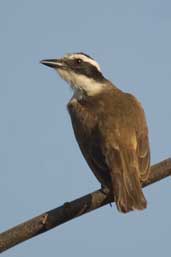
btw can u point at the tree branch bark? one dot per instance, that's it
(70, 210)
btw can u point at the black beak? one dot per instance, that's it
(53, 63)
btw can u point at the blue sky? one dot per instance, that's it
(41, 166)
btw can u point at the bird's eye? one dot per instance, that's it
(79, 61)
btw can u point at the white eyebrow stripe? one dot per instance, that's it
(85, 59)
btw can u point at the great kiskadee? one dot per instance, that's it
(110, 128)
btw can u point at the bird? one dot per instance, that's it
(110, 128)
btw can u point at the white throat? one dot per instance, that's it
(81, 84)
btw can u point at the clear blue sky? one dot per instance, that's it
(40, 163)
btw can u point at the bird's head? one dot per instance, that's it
(80, 70)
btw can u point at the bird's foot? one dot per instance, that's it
(105, 190)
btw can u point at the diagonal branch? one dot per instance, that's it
(68, 211)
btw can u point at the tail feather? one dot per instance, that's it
(128, 193)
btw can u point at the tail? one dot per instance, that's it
(128, 193)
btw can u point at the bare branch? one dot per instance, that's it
(68, 211)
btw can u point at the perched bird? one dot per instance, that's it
(110, 128)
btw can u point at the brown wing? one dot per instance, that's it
(123, 162)
(127, 153)
(89, 139)
(143, 148)
(143, 153)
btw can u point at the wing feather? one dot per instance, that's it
(89, 140)
(124, 164)
(143, 153)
